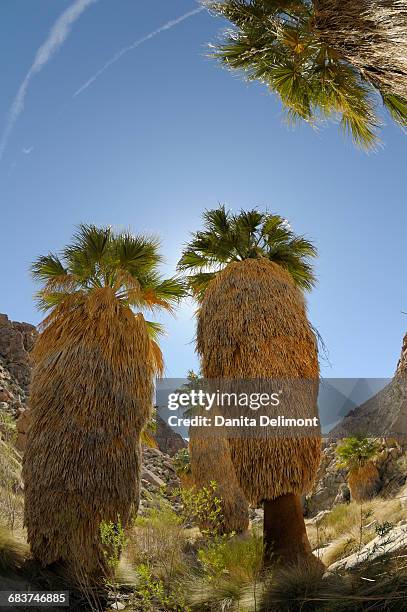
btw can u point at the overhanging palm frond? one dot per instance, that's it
(279, 44)
(397, 107)
(154, 329)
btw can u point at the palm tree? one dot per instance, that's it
(210, 461)
(357, 454)
(324, 59)
(91, 391)
(248, 271)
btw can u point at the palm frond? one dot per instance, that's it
(279, 44)
(247, 235)
(397, 107)
(47, 267)
(136, 253)
(96, 258)
(154, 329)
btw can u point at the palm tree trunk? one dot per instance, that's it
(371, 35)
(285, 537)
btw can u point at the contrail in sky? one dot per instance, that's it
(137, 43)
(56, 38)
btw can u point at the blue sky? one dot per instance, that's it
(165, 133)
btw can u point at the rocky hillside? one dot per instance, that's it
(385, 414)
(330, 487)
(16, 341)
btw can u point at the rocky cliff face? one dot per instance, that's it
(16, 342)
(385, 414)
(402, 364)
(168, 440)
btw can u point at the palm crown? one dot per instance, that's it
(355, 452)
(101, 258)
(276, 42)
(250, 234)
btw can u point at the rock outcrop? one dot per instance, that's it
(167, 439)
(394, 543)
(331, 486)
(16, 342)
(385, 414)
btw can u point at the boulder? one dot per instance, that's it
(393, 543)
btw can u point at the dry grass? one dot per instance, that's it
(12, 552)
(11, 499)
(348, 526)
(158, 540)
(91, 396)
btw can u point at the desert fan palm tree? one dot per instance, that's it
(357, 454)
(91, 391)
(210, 461)
(248, 272)
(323, 58)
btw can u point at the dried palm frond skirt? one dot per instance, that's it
(252, 324)
(91, 395)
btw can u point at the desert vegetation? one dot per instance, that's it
(248, 271)
(91, 392)
(235, 533)
(90, 502)
(162, 561)
(325, 59)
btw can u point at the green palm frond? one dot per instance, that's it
(47, 267)
(397, 107)
(136, 253)
(98, 257)
(155, 330)
(228, 237)
(46, 300)
(277, 43)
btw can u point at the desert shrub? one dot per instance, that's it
(182, 462)
(231, 568)
(113, 541)
(239, 557)
(202, 507)
(382, 529)
(157, 549)
(153, 594)
(158, 540)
